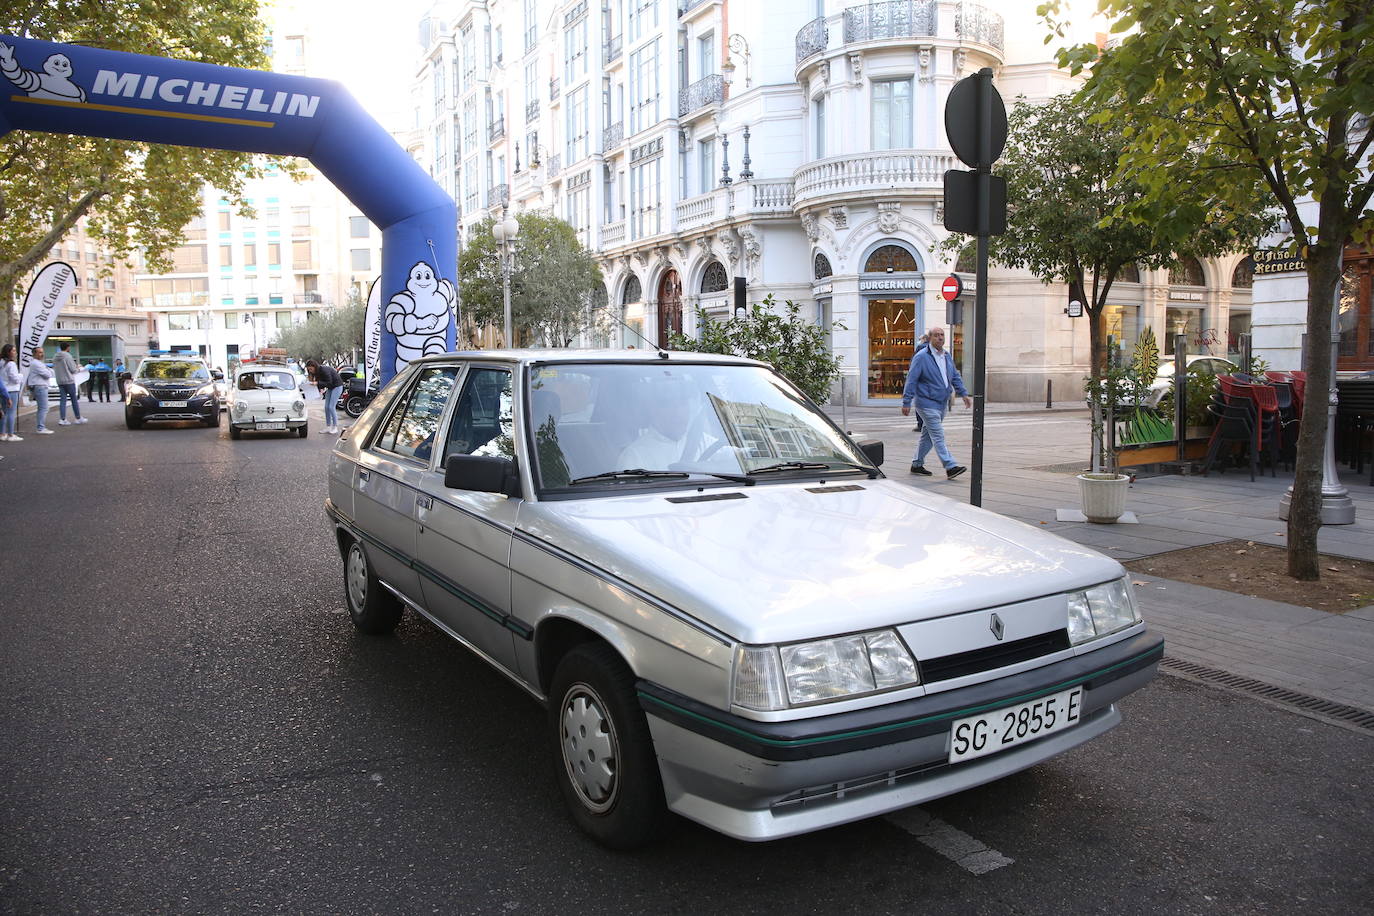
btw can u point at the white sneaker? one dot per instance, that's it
(16, 438)
(82, 420)
(64, 422)
(43, 432)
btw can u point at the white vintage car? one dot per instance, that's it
(726, 608)
(266, 398)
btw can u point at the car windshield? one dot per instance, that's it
(626, 424)
(275, 380)
(173, 369)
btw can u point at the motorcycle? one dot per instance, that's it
(355, 397)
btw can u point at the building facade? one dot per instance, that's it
(796, 144)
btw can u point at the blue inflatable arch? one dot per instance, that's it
(69, 89)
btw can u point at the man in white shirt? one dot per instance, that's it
(662, 443)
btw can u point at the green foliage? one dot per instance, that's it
(136, 195)
(796, 347)
(1199, 385)
(555, 287)
(331, 336)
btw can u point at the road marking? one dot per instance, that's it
(950, 842)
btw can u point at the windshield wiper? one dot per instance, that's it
(631, 474)
(814, 466)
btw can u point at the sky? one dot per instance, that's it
(369, 46)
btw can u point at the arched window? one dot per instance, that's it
(1129, 274)
(968, 260)
(822, 265)
(714, 280)
(1187, 272)
(890, 258)
(632, 291)
(1243, 277)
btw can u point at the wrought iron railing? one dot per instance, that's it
(532, 111)
(496, 130)
(613, 48)
(555, 165)
(686, 6)
(553, 89)
(812, 39)
(613, 136)
(709, 90)
(890, 19)
(499, 195)
(973, 22)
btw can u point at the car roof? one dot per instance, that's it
(551, 355)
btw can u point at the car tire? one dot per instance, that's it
(213, 419)
(606, 767)
(303, 430)
(354, 407)
(132, 422)
(235, 432)
(373, 609)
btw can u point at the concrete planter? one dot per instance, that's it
(1103, 496)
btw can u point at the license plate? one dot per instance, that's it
(280, 424)
(978, 736)
(171, 403)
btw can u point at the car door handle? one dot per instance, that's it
(364, 476)
(424, 502)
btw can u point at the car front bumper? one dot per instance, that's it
(146, 408)
(762, 781)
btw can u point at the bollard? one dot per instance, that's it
(1049, 393)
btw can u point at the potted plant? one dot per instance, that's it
(1102, 490)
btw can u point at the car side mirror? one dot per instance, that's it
(482, 474)
(873, 451)
(217, 375)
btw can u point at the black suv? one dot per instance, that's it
(172, 388)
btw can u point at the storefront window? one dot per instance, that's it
(1182, 321)
(891, 343)
(1121, 323)
(1355, 318)
(1238, 324)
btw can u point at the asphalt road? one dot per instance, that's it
(190, 724)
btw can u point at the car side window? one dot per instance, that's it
(483, 420)
(411, 428)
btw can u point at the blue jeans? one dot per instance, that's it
(40, 397)
(331, 403)
(10, 412)
(65, 392)
(933, 435)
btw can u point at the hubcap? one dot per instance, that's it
(591, 753)
(357, 578)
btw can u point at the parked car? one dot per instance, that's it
(1164, 378)
(265, 398)
(172, 388)
(727, 609)
(221, 387)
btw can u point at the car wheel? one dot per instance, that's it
(607, 770)
(235, 432)
(132, 422)
(303, 430)
(354, 407)
(373, 608)
(213, 419)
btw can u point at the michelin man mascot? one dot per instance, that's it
(419, 315)
(53, 83)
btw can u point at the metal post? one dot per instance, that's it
(1247, 359)
(505, 290)
(1181, 395)
(1049, 393)
(980, 297)
(844, 404)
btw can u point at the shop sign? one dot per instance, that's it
(822, 289)
(1278, 261)
(914, 283)
(1177, 294)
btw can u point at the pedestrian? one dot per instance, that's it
(925, 342)
(331, 386)
(89, 385)
(102, 380)
(65, 368)
(930, 380)
(119, 373)
(11, 386)
(36, 380)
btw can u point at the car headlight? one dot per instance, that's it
(240, 407)
(138, 391)
(298, 406)
(205, 391)
(777, 677)
(1101, 610)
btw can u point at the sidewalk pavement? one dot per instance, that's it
(1031, 457)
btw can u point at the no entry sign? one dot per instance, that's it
(951, 288)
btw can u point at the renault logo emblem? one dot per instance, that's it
(997, 627)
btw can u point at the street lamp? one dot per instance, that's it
(505, 231)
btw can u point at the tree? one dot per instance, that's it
(794, 346)
(1233, 98)
(137, 196)
(553, 286)
(1062, 198)
(330, 336)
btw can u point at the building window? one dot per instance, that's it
(706, 165)
(892, 114)
(301, 255)
(575, 48)
(646, 191)
(203, 322)
(1243, 277)
(1237, 323)
(578, 129)
(360, 259)
(531, 28)
(1355, 316)
(818, 112)
(224, 221)
(643, 16)
(359, 227)
(231, 320)
(178, 321)
(644, 87)
(706, 55)
(1187, 272)
(250, 256)
(283, 319)
(821, 266)
(890, 258)
(633, 293)
(714, 279)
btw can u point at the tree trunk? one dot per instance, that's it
(1304, 513)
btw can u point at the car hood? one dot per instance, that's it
(797, 561)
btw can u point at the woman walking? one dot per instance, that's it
(12, 385)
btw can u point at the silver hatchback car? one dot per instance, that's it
(726, 608)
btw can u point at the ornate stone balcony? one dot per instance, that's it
(889, 19)
(887, 172)
(812, 39)
(613, 234)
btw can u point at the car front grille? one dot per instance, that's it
(961, 664)
(173, 394)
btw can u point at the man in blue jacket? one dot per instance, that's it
(929, 381)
